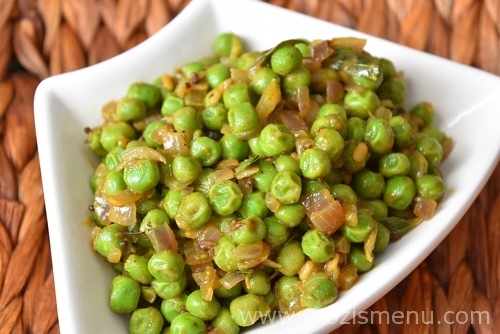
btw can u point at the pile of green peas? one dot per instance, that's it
(201, 191)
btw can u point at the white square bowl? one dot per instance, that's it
(467, 101)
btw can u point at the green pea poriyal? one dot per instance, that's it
(248, 182)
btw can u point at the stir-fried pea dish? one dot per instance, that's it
(246, 183)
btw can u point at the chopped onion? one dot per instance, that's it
(239, 75)
(334, 91)
(303, 101)
(351, 214)
(127, 196)
(313, 113)
(206, 281)
(424, 207)
(123, 215)
(132, 154)
(342, 245)
(269, 100)
(249, 256)
(101, 207)
(272, 202)
(210, 237)
(356, 43)
(360, 152)
(174, 143)
(162, 237)
(228, 163)
(320, 50)
(370, 244)
(246, 172)
(324, 212)
(229, 280)
(246, 185)
(348, 276)
(290, 119)
(220, 175)
(332, 268)
(307, 269)
(195, 255)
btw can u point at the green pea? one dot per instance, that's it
(418, 164)
(186, 119)
(288, 294)
(300, 77)
(94, 141)
(249, 230)
(344, 193)
(254, 144)
(216, 74)
(318, 246)
(224, 321)
(166, 266)
(329, 121)
(245, 61)
(368, 184)
(335, 176)
(379, 136)
(150, 129)
(114, 157)
(304, 49)
(404, 134)
(286, 187)
(231, 293)
(154, 218)
(362, 230)
(226, 197)
(113, 183)
(430, 186)
(191, 68)
(276, 232)
(356, 128)
(387, 66)
(142, 175)
(194, 211)
(275, 140)
(172, 307)
(332, 109)
(147, 204)
(234, 148)
(206, 150)
(352, 165)
(187, 323)
(393, 164)
(425, 111)
(243, 119)
(236, 94)
(109, 242)
(167, 290)
(291, 258)
(287, 162)
(262, 77)
(393, 89)
(201, 308)
(146, 321)
(147, 93)
(124, 295)
(247, 309)
(227, 45)
(171, 104)
(130, 109)
(186, 169)
(264, 178)
(310, 186)
(137, 267)
(399, 192)
(253, 204)
(258, 283)
(377, 208)
(148, 293)
(382, 239)
(116, 134)
(358, 258)
(291, 215)
(224, 254)
(172, 201)
(329, 141)
(286, 59)
(202, 183)
(314, 163)
(361, 104)
(214, 117)
(432, 151)
(318, 291)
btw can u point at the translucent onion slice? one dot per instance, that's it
(132, 154)
(229, 280)
(351, 214)
(124, 215)
(206, 281)
(219, 176)
(249, 256)
(269, 100)
(334, 91)
(209, 237)
(324, 212)
(424, 207)
(195, 255)
(320, 51)
(174, 143)
(162, 237)
(101, 207)
(272, 202)
(348, 276)
(303, 101)
(370, 244)
(356, 43)
(291, 120)
(127, 196)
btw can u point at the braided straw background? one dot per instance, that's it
(39, 38)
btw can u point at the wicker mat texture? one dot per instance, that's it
(39, 38)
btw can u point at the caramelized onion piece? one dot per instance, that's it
(162, 237)
(324, 212)
(206, 281)
(424, 207)
(132, 154)
(229, 280)
(290, 119)
(124, 215)
(269, 100)
(303, 101)
(249, 256)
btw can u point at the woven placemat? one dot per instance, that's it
(455, 290)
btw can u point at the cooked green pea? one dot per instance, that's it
(201, 308)
(399, 192)
(275, 140)
(243, 119)
(236, 94)
(286, 187)
(226, 197)
(330, 141)
(404, 134)
(150, 129)
(432, 151)
(288, 294)
(287, 162)
(171, 104)
(216, 74)
(258, 283)
(356, 128)
(109, 242)
(332, 109)
(94, 141)
(206, 150)
(300, 77)
(425, 111)
(264, 178)
(146, 321)
(137, 267)
(310, 186)
(393, 164)
(116, 134)
(231, 293)
(166, 266)
(186, 169)
(344, 193)
(379, 136)
(227, 45)
(247, 309)
(147, 93)
(254, 144)
(377, 208)
(224, 321)
(286, 59)
(387, 66)
(234, 148)
(253, 204)
(114, 157)
(362, 230)
(130, 109)
(113, 183)
(142, 175)
(172, 201)
(194, 211)
(246, 60)
(368, 184)
(186, 119)
(418, 164)
(187, 323)
(249, 230)
(214, 117)
(291, 215)
(361, 104)
(393, 89)
(430, 186)
(314, 163)
(318, 291)
(172, 307)
(124, 295)
(329, 121)
(167, 290)
(147, 204)
(291, 258)
(382, 239)
(357, 257)
(318, 246)
(224, 254)
(335, 176)
(262, 77)
(154, 218)
(276, 232)
(352, 165)
(191, 68)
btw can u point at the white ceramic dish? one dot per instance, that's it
(467, 101)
